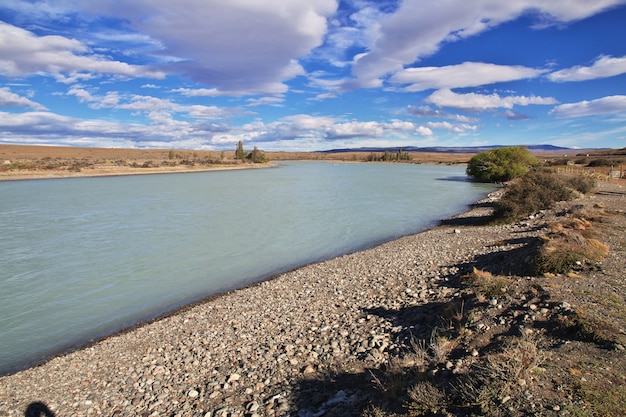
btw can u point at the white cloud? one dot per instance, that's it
(603, 67)
(512, 115)
(467, 74)
(81, 94)
(238, 46)
(453, 127)
(23, 53)
(424, 131)
(146, 103)
(480, 102)
(162, 131)
(208, 112)
(604, 105)
(197, 92)
(356, 30)
(156, 108)
(10, 99)
(354, 130)
(253, 102)
(413, 31)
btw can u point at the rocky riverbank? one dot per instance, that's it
(325, 339)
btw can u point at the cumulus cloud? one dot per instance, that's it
(198, 92)
(467, 74)
(263, 101)
(157, 108)
(604, 105)
(453, 127)
(413, 31)
(428, 112)
(47, 124)
(239, 46)
(317, 129)
(163, 131)
(23, 53)
(481, 102)
(603, 67)
(513, 115)
(10, 99)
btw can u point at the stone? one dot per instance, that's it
(233, 377)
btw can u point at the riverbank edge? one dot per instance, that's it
(64, 174)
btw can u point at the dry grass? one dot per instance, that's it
(488, 384)
(588, 327)
(486, 284)
(569, 244)
(425, 398)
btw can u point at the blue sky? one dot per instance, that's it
(303, 75)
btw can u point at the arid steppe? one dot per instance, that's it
(29, 162)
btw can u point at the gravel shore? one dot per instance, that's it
(270, 349)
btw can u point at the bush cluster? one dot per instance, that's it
(389, 156)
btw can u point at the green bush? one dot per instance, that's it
(501, 164)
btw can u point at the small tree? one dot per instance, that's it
(257, 156)
(239, 154)
(501, 164)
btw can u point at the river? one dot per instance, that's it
(81, 258)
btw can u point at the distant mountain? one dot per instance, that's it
(442, 149)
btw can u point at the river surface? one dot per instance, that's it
(81, 258)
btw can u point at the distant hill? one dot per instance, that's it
(443, 149)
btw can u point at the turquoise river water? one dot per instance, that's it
(81, 258)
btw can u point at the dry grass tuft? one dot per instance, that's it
(487, 284)
(569, 244)
(589, 327)
(425, 398)
(440, 348)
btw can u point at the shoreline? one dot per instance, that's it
(64, 174)
(271, 348)
(134, 331)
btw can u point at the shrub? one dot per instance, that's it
(581, 184)
(538, 190)
(501, 164)
(603, 162)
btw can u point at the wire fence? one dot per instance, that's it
(600, 173)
